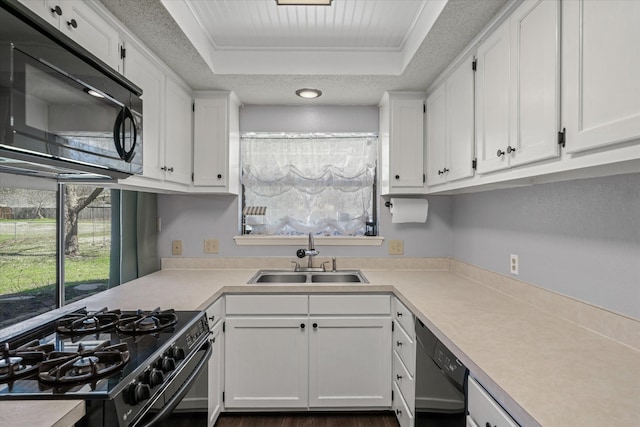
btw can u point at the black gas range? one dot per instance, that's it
(131, 367)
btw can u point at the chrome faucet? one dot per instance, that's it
(309, 252)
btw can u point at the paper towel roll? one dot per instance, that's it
(409, 210)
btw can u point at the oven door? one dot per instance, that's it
(175, 391)
(87, 119)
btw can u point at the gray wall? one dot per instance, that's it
(195, 218)
(579, 238)
(324, 118)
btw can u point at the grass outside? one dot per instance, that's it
(28, 265)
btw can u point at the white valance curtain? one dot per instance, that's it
(310, 183)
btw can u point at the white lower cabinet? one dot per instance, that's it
(404, 364)
(334, 355)
(400, 407)
(206, 393)
(484, 410)
(215, 372)
(266, 362)
(349, 362)
(215, 376)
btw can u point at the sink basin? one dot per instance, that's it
(337, 277)
(281, 278)
(289, 276)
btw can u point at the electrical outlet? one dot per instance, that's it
(396, 247)
(514, 267)
(176, 247)
(211, 246)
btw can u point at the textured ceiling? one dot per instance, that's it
(456, 26)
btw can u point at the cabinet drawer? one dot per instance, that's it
(404, 316)
(266, 304)
(399, 407)
(405, 381)
(215, 312)
(484, 410)
(405, 346)
(349, 304)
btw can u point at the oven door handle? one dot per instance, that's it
(181, 393)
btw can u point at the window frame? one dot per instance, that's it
(269, 240)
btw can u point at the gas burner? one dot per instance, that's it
(147, 321)
(85, 322)
(84, 366)
(22, 361)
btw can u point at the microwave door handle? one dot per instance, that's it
(119, 131)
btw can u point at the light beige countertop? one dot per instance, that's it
(26, 413)
(543, 369)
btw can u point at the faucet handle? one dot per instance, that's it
(324, 265)
(297, 266)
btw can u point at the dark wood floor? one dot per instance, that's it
(384, 419)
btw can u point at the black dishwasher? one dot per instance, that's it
(441, 383)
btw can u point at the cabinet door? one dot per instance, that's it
(46, 9)
(178, 131)
(407, 143)
(437, 136)
(460, 122)
(266, 362)
(216, 375)
(492, 100)
(150, 78)
(601, 65)
(535, 92)
(350, 362)
(210, 141)
(88, 29)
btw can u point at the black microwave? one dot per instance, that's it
(63, 112)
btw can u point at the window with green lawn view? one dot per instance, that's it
(29, 258)
(295, 184)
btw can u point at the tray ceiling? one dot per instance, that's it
(181, 48)
(376, 37)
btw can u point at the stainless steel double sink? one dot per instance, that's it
(289, 276)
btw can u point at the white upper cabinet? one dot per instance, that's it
(450, 127)
(150, 78)
(492, 100)
(518, 89)
(82, 24)
(178, 134)
(216, 145)
(535, 78)
(167, 123)
(402, 143)
(601, 73)
(436, 128)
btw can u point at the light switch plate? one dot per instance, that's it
(396, 247)
(176, 247)
(211, 246)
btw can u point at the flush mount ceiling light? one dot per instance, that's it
(304, 2)
(308, 93)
